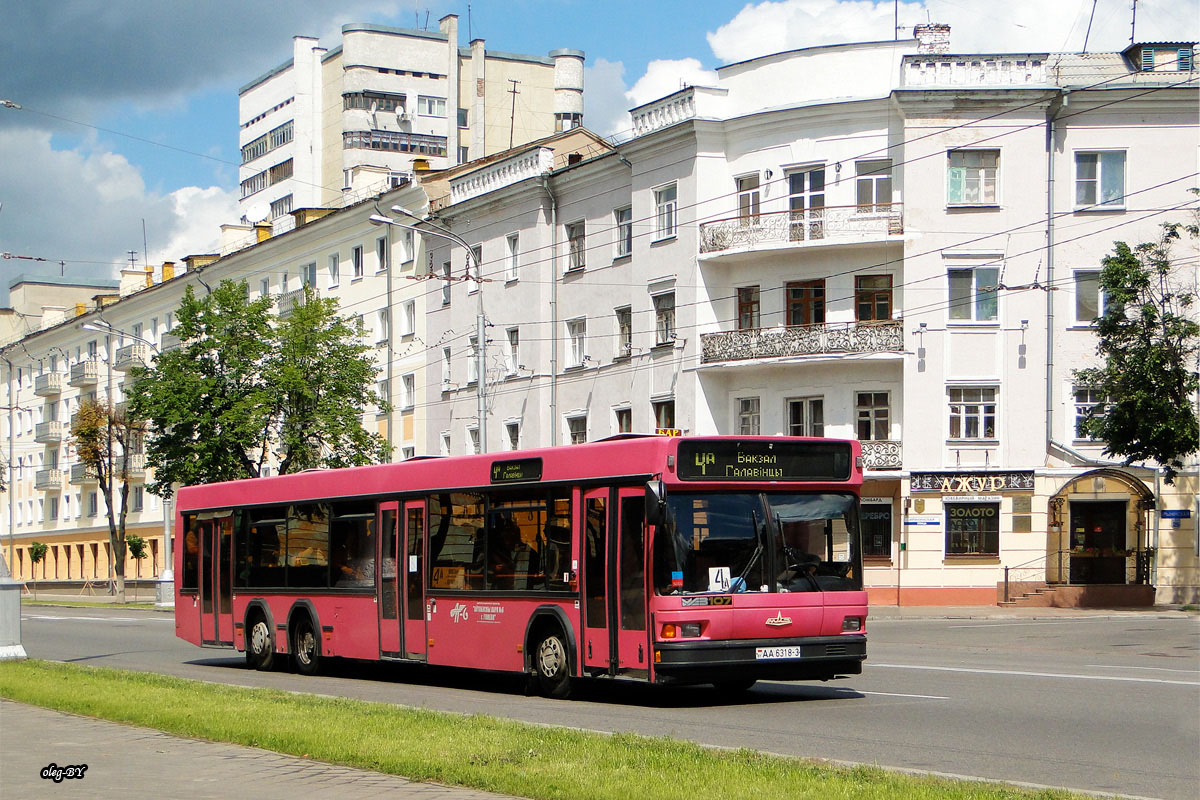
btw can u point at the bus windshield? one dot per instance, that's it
(758, 542)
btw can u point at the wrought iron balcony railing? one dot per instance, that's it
(832, 338)
(290, 301)
(882, 454)
(832, 224)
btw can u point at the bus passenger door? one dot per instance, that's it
(414, 580)
(216, 580)
(596, 627)
(388, 599)
(627, 577)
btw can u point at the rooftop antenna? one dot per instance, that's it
(132, 258)
(512, 116)
(145, 247)
(470, 36)
(1133, 24)
(895, 20)
(1088, 35)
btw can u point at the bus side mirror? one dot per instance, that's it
(656, 502)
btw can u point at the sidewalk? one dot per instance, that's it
(124, 761)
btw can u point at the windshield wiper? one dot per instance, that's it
(758, 549)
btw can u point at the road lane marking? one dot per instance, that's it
(1037, 674)
(894, 694)
(1148, 669)
(1037, 622)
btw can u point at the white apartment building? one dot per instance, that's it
(385, 101)
(867, 240)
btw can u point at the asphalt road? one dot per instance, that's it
(1099, 704)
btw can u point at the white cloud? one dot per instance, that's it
(665, 77)
(605, 105)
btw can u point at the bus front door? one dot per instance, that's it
(414, 580)
(216, 580)
(388, 598)
(596, 647)
(627, 577)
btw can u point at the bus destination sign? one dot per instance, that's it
(730, 460)
(523, 469)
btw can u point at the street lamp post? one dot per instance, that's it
(480, 322)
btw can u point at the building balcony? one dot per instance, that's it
(290, 301)
(833, 225)
(132, 355)
(48, 480)
(48, 384)
(50, 432)
(136, 466)
(82, 474)
(881, 454)
(85, 373)
(834, 338)
(169, 341)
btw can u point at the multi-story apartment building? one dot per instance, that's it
(884, 241)
(361, 114)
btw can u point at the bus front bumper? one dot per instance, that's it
(795, 659)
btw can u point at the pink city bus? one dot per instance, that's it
(721, 560)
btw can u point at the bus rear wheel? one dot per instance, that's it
(552, 665)
(306, 647)
(260, 645)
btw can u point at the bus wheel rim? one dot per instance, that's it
(258, 637)
(550, 657)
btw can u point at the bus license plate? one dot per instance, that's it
(764, 653)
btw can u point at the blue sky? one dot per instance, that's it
(169, 73)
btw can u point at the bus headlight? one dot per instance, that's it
(852, 624)
(690, 629)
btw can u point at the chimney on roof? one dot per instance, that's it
(932, 38)
(168, 270)
(262, 231)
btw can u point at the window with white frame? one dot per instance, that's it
(624, 316)
(407, 452)
(512, 435)
(408, 391)
(748, 416)
(445, 444)
(264, 287)
(406, 245)
(409, 318)
(973, 412)
(576, 245)
(474, 268)
(972, 177)
(664, 212)
(974, 294)
(473, 363)
(1086, 399)
(512, 256)
(308, 274)
(576, 340)
(356, 260)
(623, 420)
(384, 323)
(382, 259)
(873, 185)
(52, 511)
(623, 224)
(873, 418)
(93, 507)
(473, 440)
(445, 369)
(664, 318)
(748, 199)
(806, 416)
(577, 429)
(445, 283)
(1100, 179)
(428, 106)
(664, 414)
(383, 394)
(283, 282)
(1087, 296)
(512, 351)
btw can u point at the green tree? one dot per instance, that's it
(37, 552)
(245, 387)
(1148, 338)
(137, 550)
(109, 439)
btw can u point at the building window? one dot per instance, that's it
(1087, 296)
(664, 414)
(1086, 398)
(473, 364)
(664, 318)
(623, 219)
(972, 177)
(445, 444)
(408, 391)
(383, 395)
(464, 154)
(748, 416)
(512, 354)
(445, 369)
(873, 185)
(512, 432)
(264, 287)
(308, 275)
(974, 294)
(806, 416)
(408, 253)
(512, 250)
(409, 318)
(473, 441)
(407, 452)
(624, 420)
(805, 302)
(431, 106)
(381, 254)
(281, 206)
(565, 121)
(624, 317)
(664, 212)
(973, 412)
(576, 244)
(463, 117)
(52, 511)
(474, 268)
(1100, 179)
(872, 411)
(356, 261)
(748, 200)
(385, 323)
(972, 529)
(873, 298)
(877, 530)
(576, 334)
(93, 507)
(806, 205)
(577, 429)
(747, 300)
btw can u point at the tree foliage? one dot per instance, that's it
(245, 388)
(1148, 337)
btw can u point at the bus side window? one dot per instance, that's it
(189, 580)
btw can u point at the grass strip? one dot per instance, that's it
(138, 605)
(476, 751)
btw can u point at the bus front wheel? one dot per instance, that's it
(260, 645)
(552, 665)
(306, 647)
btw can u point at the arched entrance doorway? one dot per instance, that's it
(1098, 527)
